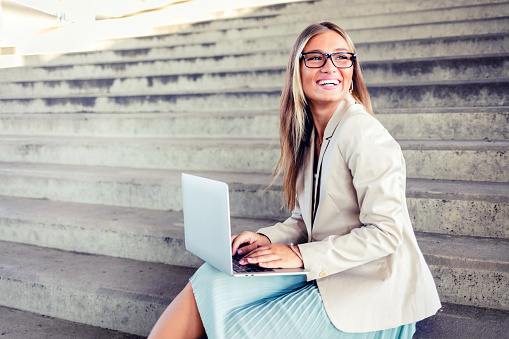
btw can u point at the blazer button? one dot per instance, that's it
(323, 274)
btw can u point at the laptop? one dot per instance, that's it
(208, 231)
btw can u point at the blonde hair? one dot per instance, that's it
(296, 122)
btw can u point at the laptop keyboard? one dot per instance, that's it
(246, 268)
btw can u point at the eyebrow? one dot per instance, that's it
(336, 50)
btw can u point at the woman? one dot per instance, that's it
(344, 179)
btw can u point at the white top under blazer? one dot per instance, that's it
(361, 248)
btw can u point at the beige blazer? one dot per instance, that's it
(361, 248)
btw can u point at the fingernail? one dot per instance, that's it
(249, 259)
(241, 261)
(240, 252)
(260, 263)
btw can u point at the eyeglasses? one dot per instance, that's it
(318, 60)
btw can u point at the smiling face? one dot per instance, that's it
(327, 86)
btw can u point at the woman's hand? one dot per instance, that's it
(274, 256)
(252, 239)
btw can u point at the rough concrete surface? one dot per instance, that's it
(16, 324)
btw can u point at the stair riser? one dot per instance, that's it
(143, 125)
(352, 17)
(69, 237)
(447, 126)
(383, 73)
(461, 95)
(246, 201)
(458, 165)
(384, 32)
(396, 50)
(460, 217)
(470, 165)
(112, 312)
(472, 286)
(157, 194)
(433, 126)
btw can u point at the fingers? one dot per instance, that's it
(258, 258)
(252, 240)
(273, 256)
(244, 237)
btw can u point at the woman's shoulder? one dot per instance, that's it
(358, 120)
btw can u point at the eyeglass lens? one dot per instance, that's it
(317, 60)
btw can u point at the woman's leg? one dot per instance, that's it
(181, 318)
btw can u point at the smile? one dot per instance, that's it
(328, 82)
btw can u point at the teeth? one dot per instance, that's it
(328, 82)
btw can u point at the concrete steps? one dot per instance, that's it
(455, 207)
(370, 32)
(476, 67)
(427, 159)
(28, 325)
(490, 43)
(92, 146)
(128, 294)
(411, 123)
(439, 94)
(97, 290)
(360, 16)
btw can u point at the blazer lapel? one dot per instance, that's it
(329, 132)
(307, 201)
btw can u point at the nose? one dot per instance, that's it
(328, 66)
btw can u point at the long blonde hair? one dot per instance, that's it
(296, 122)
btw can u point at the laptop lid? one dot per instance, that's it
(207, 220)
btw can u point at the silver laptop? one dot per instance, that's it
(207, 228)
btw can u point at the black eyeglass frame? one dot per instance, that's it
(327, 56)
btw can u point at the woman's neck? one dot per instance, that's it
(321, 116)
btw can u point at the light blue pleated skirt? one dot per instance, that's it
(269, 307)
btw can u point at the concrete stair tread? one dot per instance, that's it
(473, 252)
(170, 141)
(121, 294)
(27, 325)
(458, 321)
(442, 110)
(145, 94)
(261, 112)
(33, 142)
(142, 175)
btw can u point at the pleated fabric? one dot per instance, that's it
(269, 307)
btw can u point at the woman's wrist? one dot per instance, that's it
(295, 249)
(265, 237)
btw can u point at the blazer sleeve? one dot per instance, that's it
(291, 230)
(377, 167)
